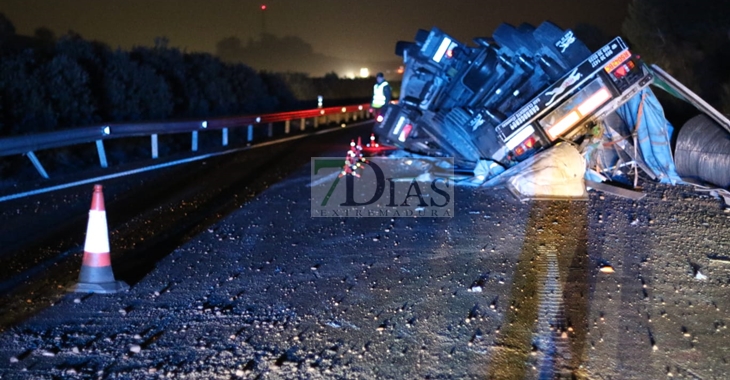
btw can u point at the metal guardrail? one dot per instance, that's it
(29, 144)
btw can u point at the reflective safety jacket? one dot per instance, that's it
(379, 96)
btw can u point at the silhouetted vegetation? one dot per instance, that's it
(689, 39)
(48, 83)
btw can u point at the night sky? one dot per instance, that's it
(358, 30)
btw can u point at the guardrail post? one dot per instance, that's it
(303, 124)
(250, 133)
(271, 130)
(37, 164)
(195, 141)
(153, 141)
(287, 126)
(102, 153)
(316, 121)
(224, 137)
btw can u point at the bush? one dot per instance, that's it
(23, 94)
(69, 82)
(133, 92)
(250, 89)
(67, 91)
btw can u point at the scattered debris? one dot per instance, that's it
(334, 324)
(475, 289)
(700, 276)
(605, 268)
(47, 353)
(719, 259)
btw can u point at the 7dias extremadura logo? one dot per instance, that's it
(382, 187)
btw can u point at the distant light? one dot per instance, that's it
(204, 124)
(106, 130)
(364, 72)
(344, 109)
(401, 70)
(258, 119)
(263, 7)
(343, 125)
(351, 75)
(359, 107)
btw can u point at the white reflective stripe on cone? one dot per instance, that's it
(97, 235)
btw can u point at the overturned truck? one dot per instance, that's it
(498, 104)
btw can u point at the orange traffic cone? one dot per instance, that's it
(96, 270)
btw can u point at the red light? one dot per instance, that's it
(379, 119)
(449, 53)
(519, 150)
(405, 132)
(529, 143)
(263, 7)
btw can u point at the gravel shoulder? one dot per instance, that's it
(267, 292)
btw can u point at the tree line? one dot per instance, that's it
(49, 83)
(688, 39)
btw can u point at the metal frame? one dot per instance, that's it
(29, 144)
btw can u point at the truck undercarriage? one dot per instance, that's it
(512, 96)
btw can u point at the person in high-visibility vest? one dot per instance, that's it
(381, 94)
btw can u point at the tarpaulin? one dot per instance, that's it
(645, 116)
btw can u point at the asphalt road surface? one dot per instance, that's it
(231, 278)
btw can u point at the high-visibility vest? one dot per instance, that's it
(379, 95)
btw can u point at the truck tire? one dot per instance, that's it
(703, 151)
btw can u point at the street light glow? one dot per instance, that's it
(263, 7)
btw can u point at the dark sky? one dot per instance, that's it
(366, 30)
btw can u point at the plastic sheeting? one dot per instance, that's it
(486, 169)
(645, 115)
(556, 173)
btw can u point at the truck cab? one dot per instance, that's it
(507, 98)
